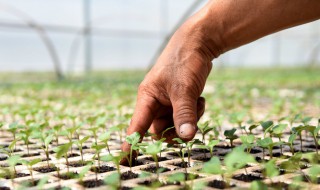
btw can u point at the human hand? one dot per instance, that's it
(170, 93)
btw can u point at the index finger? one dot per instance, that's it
(144, 113)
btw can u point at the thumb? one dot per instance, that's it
(185, 117)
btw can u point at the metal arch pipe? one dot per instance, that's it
(41, 32)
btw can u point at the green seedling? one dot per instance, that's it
(248, 142)
(115, 181)
(238, 118)
(30, 164)
(189, 146)
(306, 120)
(278, 131)
(230, 134)
(57, 128)
(25, 136)
(212, 143)
(62, 151)
(80, 143)
(292, 164)
(291, 139)
(204, 129)
(42, 182)
(298, 130)
(46, 141)
(179, 177)
(269, 144)
(13, 129)
(94, 131)
(252, 127)
(266, 125)
(314, 132)
(97, 149)
(270, 169)
(12, 162)
(105, 137)
(133, 140)
(119, 129)
(182, 152)
(70, 133)
(153, 150)
(314, 172)
(83, 172)
(232, 161)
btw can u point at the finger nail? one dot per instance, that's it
(187, 130)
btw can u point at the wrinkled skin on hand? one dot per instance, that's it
(170, 93)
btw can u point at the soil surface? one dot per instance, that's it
(77, 164)
(17, 175)
(45, 169)
(128, 175)
(73, 155)
(279, 185)
(153, 169)
(31, 154)
(4, 188)
(102, 169)
(177, 154)
(247, 177)
(182, 164)
(70, 175)
(92, 183)
(160, 159)
(219, 184)
(3, 158)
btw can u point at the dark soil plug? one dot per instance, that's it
(4, 188)
(219, 184)
(278, 154)
(45, 169)
(83, 148)
(31, 183)
(92, 183)
(151, 183)
(160, 159)
(29, 155)
(200, 150)
(3, 157)
(102, 169)
(77, 164)
(69, 175)
(177, 154)
(279, 185)
(17, 175)
(182, 164)
(247, 178)
(73, 155)
(202, 158)
(128, 175)
(153, 169)
(254, 151)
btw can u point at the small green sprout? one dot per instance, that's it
(204, 129)
(248, 142)
(230, 134)
(30, 164)
(80, 143)
(153, 150)
(133, 140)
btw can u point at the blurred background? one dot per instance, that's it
(79, 36)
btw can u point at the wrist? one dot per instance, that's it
(205, 33)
